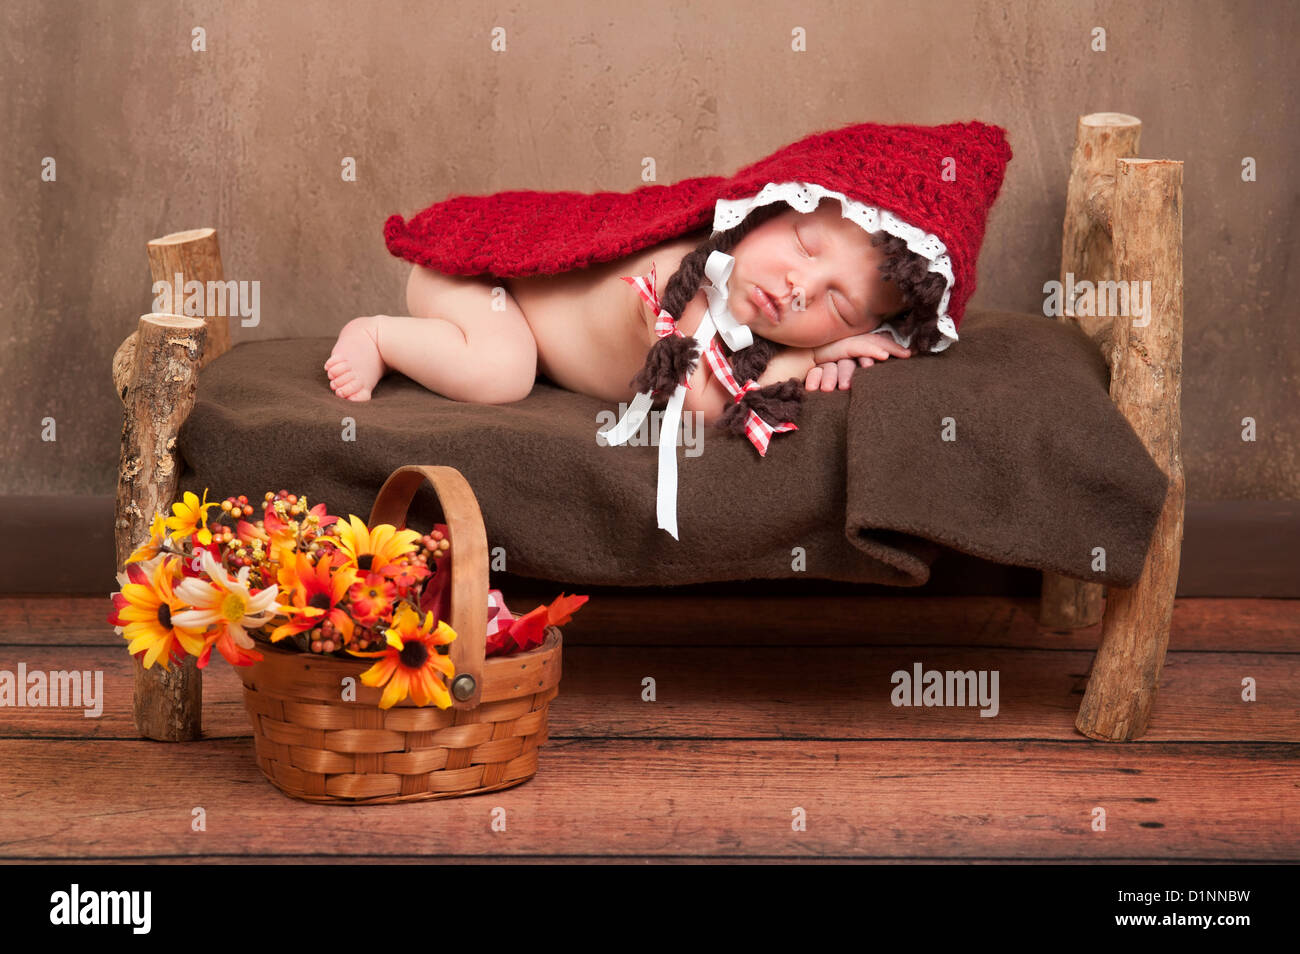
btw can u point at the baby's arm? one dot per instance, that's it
(788, 363)
(827, 366)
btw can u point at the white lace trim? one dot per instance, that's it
(805, 196)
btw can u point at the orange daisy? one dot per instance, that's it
(314, 595)
(372, 598)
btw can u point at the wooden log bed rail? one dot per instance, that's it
(1123, 224)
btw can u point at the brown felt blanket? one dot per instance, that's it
(1040, 468)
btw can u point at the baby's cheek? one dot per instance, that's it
(825, 332)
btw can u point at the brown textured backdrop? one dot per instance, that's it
(248, 137)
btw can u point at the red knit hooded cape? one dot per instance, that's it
(941, 179)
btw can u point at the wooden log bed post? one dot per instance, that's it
(1086, 255)
(1123, 223)
(155, 373)
(1146, 384)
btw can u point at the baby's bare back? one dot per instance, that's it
(592, 329)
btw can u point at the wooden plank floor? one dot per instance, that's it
(763, 707)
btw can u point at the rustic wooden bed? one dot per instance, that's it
(1123, 223)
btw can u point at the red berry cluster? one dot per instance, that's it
(325, 638)
(435, 545)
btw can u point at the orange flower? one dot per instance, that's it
(372, 599)
(314, 596)
(412, 662)
(407, 575)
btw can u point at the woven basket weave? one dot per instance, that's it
(314, 746)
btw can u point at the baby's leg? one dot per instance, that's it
(455, 342)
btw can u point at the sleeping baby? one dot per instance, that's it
(847, 247)
(814, 289)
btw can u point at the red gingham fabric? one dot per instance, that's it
(498, 612)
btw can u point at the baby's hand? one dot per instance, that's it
(827, 376)
(837, 361)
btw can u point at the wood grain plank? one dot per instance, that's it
(691, 615)
(588, 859)
(835, 692)
(647, 798)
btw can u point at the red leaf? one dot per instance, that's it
(563, 607)
(497, 644)
(529, 630)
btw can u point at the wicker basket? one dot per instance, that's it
(314, 746)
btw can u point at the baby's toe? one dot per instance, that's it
(346, 387)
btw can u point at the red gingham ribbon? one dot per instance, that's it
(757, 430)
(665, 324)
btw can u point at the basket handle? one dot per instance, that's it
(469, 564)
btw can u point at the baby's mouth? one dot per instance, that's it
(765, 304)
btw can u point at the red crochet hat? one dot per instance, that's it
(930, 185)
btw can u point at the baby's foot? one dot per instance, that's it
(355, 365)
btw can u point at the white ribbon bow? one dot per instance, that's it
(717, 320)
(718, 270)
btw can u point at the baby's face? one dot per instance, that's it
(820, 271)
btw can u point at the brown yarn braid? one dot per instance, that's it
(673, 357)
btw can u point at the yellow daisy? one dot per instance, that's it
(412, 663)
(147, 608)
(191, 518)
(371, 550)
(151, 547)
